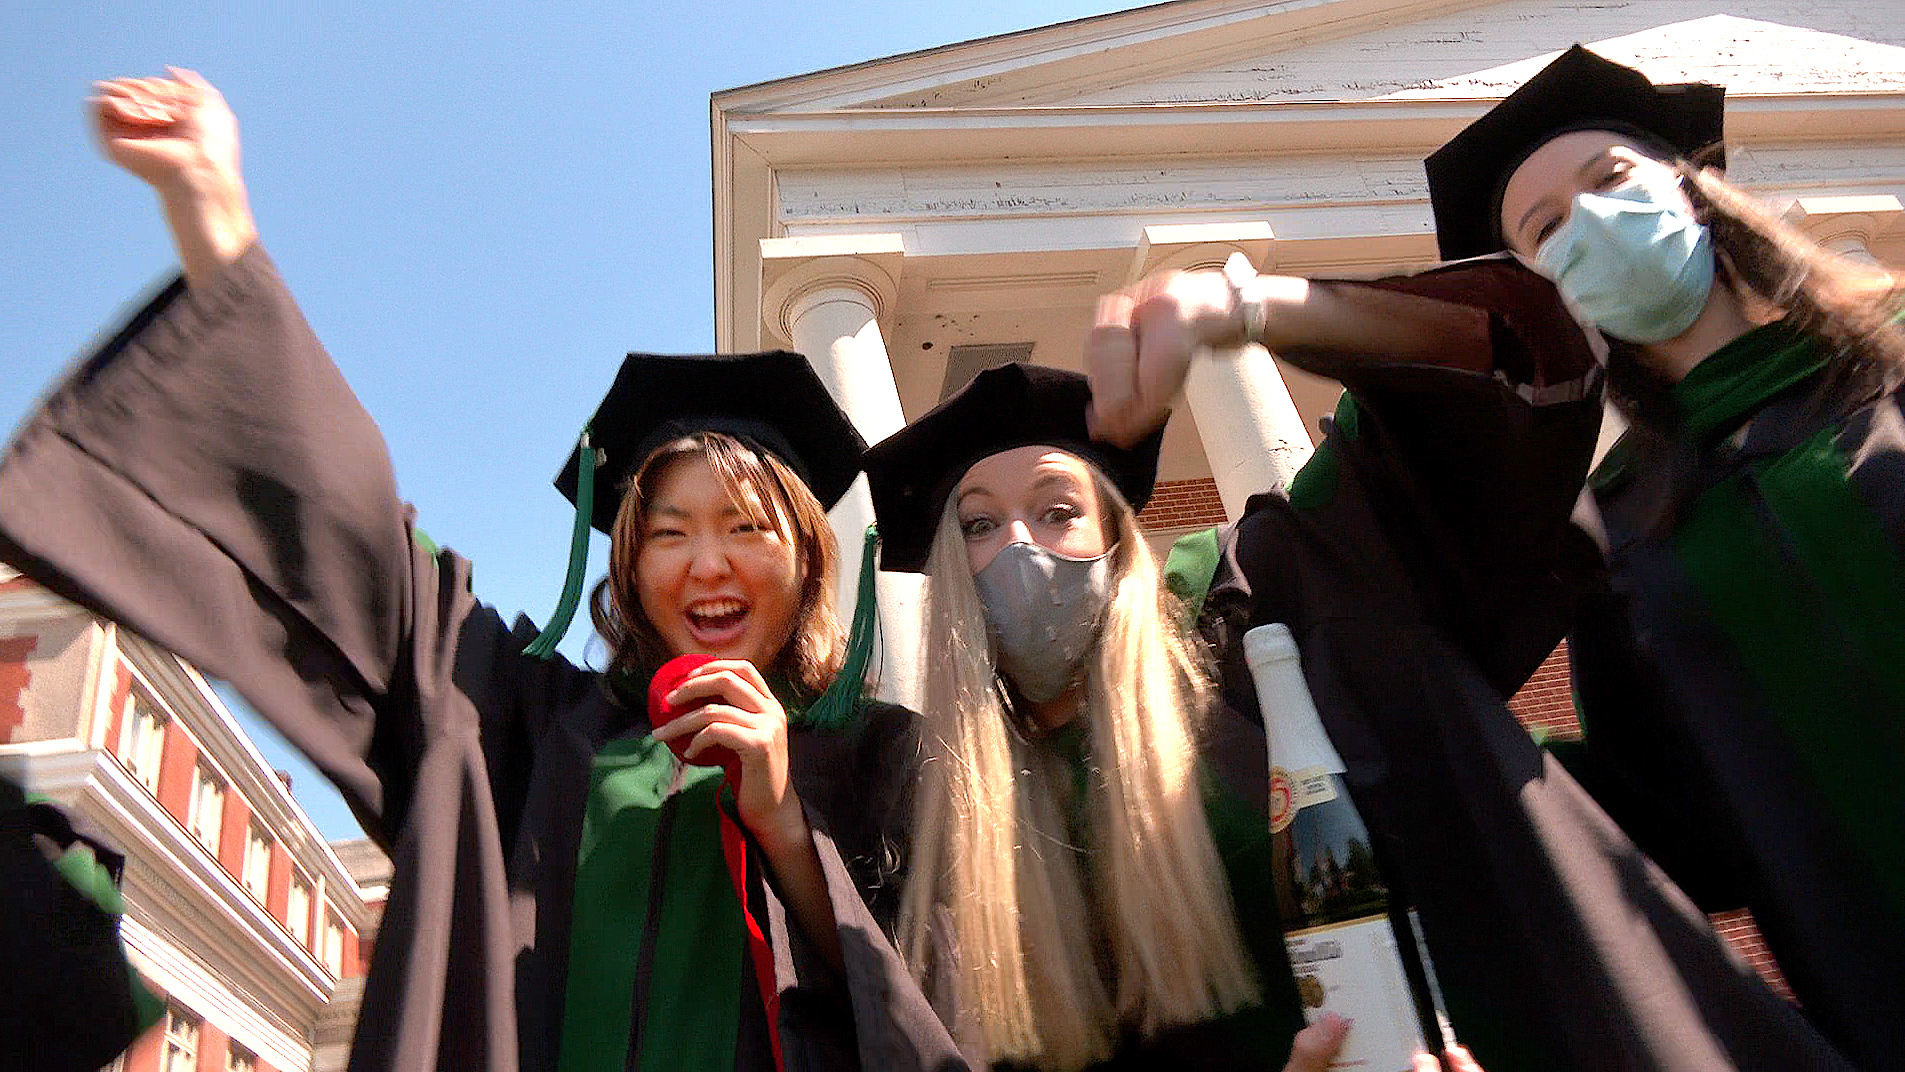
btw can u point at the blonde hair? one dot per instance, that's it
(1044, 978)
(814, 651)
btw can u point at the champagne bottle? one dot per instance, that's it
(1339, 924)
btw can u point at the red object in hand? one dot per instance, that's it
(661, 712)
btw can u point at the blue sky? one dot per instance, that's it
(481, 208)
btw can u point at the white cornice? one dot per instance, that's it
(171, 882)
(34, 604)
(929, 135)
(221, 738)
(172, 968)
(1083, 51)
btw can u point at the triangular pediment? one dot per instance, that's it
(1234, 51)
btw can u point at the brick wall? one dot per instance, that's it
(116, 711)
(13, 679)
(1183, 504)
(1546, 703)
(178, 763)
(278, 885)
(234, 832)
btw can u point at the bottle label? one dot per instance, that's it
(1352, 968)
(1292, 791)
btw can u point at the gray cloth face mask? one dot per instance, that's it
(1044, 611)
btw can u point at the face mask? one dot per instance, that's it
(1634, 262)
(1044, 611)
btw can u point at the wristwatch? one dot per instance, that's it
(1242, 277)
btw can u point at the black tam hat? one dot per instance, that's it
(772, 402)
(1578, 91)
(913, 471)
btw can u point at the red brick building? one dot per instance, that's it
(237, 911)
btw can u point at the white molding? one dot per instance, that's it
(169, 876)
(222, 741)
(1110, 132)
(1188, 246)
(795, 270)
(95, 696)
(36, 604)
(1111, 47)
(188, 981)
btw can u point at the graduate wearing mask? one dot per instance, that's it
(1091, 860)
(567, 896)
(1425, 561)
(1741, 677)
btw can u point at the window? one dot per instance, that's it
(142, 741)
(297, 910)
(241, 1060)
(333, 945)
(180, 1053)
(208, 807)
(257, 875)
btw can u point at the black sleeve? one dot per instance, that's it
(208, 478)
(1450, 483)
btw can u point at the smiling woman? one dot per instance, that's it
(723, 550)
(567, 894)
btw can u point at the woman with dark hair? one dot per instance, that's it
(567, 893)
(1739, 660)
(1742, 676)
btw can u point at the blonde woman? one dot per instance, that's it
(1089, 880)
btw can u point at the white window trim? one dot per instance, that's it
(186, 1040)
(299, 922)
(142, 753)
(332, 954)
(204, 777)
(257, 860)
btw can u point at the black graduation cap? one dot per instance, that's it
(771, 401)
(1015, 405)
(1578, 91)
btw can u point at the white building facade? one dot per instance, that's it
(238, 913)
(908, 221)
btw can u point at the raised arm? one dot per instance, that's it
(1141, 346)
(178, 135)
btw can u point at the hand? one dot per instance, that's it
(1140, 348)
(178, 135)
(1318, 1044)
(739, 712)
(1458, 1057)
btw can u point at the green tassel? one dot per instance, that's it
(544, 645)
(839, 707)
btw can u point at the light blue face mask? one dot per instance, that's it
(1635, 263)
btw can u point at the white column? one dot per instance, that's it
(1850, 225)
(829, 310)
(1253, 436)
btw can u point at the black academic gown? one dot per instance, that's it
(207, 478)
(1425, 563)
(1697, 713)
(1236, 790)
(69, 1001)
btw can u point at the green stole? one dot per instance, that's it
(689, 930)
(1826, 559)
